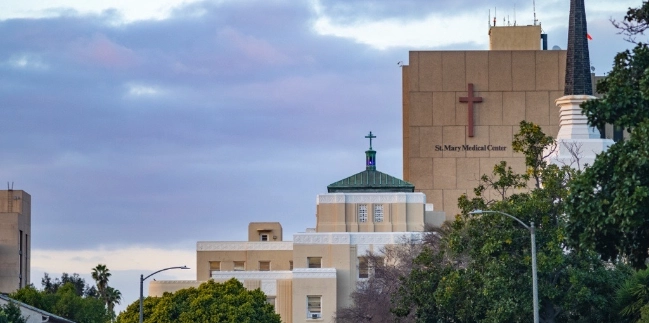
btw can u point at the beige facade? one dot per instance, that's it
(310, 278)
(440, 157)
(515, 37)
(15, 239)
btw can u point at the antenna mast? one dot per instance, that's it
(534, 9)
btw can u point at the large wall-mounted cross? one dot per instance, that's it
(470, 100)
(370, 136)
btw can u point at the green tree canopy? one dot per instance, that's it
(10, 313)
(609, 202)
(479, 270)
(68, 297)
(211, 302)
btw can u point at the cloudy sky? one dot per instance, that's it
(141, 127)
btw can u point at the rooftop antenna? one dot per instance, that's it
(514, 14)
(534, 9)
(495, 14)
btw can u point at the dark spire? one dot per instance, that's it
(578, 60)
(370, 155)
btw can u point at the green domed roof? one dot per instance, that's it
(370, 180)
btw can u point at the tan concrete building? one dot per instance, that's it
(461, 110)
(310, 278)
(15, 239)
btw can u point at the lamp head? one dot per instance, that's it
(476, 212)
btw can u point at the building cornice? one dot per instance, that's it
(337, 198)
(311, 273)
(355, 238)
(243, 245)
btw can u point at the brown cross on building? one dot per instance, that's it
(470, 100)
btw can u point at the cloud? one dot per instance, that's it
(152, 132)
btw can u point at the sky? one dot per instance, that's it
(142, 127)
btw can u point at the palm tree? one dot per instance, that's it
(100, 274)
(112, 297)
(633, 297)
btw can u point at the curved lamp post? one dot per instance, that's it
(535, 289)
(142, 279)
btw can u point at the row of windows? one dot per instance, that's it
(241, 266)
(364, 266)
(378, 213)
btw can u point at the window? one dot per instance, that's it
(264, 266)
(214, 267)
(363, 268)
(378, 213)
(20, 255)
(271, 300)
(362, 213)
(264, 237)
(314, 307)
(239, 265)
(290, 265)
(314, 262)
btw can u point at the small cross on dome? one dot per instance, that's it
(370, 136)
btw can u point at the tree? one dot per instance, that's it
(112, 297)
(372, 298)
(609, 202)
(69, 297)
(10, 313)
(101, 274)
(635, 22)
(210, 302)
(633, 297)
(480, 269)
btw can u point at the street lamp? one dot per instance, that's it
(142, 279)
(535, 288)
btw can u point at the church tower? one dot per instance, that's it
(577, 143)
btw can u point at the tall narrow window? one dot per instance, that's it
(239, 266)
(264, 237)
(363, 268)
(314, 262)
(264, 266)
(20, 255)
(290, 265)
(362, 213)
(618, 133)
(215, 266)
(378, 213)
(314, 306)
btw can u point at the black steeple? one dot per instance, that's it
(578, 60)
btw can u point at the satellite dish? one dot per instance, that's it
(555, 47)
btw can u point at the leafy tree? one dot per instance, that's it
(52, 286)
(480, 270)
(211, 302)
(10, 313)
(609, 202)
(69, 297)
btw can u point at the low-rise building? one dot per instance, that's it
(310, 278)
